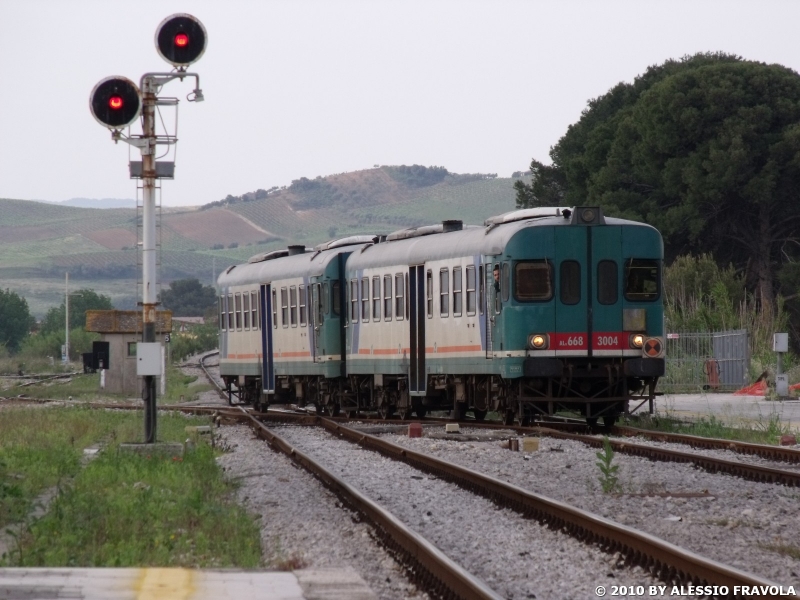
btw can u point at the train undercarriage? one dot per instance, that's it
(594, 392)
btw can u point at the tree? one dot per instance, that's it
(707, 149)
(79, 302)
(188, 298)
(15, 319)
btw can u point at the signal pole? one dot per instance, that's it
(116, 102)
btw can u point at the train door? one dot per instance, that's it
(267, 364)
(573, 302)
(316, 320)
(417, 374)
(607, 336)
(488, 301)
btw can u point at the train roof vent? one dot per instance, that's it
(412, 232)
(347, 241)
(452, 225)
(268, 256)
(526, 213)
(293, 250)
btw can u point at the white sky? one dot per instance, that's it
(306, 88)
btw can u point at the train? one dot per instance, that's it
(538, 312)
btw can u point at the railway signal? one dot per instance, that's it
(115, 102)
(181, 39)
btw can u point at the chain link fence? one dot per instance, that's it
(714, 361)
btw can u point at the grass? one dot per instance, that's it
(764, 431)
(125, 510)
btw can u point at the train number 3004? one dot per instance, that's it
(608, 340)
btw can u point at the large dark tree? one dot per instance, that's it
(188, 298)
(707, 149)
(15, 319)
(79, 302)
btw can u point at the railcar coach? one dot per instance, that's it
(538, 311)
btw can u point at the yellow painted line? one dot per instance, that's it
(165, 584)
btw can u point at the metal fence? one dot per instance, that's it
(715, 361)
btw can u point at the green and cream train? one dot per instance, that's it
(538, 311)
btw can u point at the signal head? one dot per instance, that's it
(181, 39)
(115, 102)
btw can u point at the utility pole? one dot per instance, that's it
(116, 102)
(66, 319)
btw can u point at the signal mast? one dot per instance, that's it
(116, 102)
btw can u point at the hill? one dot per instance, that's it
(39, 242)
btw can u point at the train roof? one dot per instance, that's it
(280, 264)
(489, 240)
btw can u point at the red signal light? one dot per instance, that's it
(115, 102)
(181, 40)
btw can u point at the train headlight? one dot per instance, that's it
(637, 340)
(537, 341)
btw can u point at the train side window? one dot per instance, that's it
(444, 293)
(293, 305)
(274, 309)
(399, 310)
(336, 298)
(284, 307)
(569, 282)
(246, 310)
(641, 280)
(365, 299)
(470, 290)
(238, 304)
(303, 301)
(496, 285)
(457, 293)
(255, 309)
(607, 284)
(354, 300)
(387, 297)
(230, 312)
(222, 316)
(481, 292)
(429, 293)
(376, 298)
(407, 304)
(533, 281)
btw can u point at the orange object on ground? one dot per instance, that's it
(759, 388)
(795, 387)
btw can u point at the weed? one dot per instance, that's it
(785, 549)
(608, 472)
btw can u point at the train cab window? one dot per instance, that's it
(607, 282)
(470, 290)
(246, 310)
(284, 307)
(303, 302)
(429, 293)
(254, 311)
(505, 283)
(230, 312)
(533, 281)
(641, 280)
(274, 309)
(444, 293)
(238, 304)
(222, 316)
(569, 284)
(457, 293)
(399, 309)
(496, 287)
(354, 300)
(365, 299)
(387, 297)
(376, 298)
(336, 298)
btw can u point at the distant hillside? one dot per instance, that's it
(39, 242)
(99, 203)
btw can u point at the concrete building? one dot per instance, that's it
(122, 329)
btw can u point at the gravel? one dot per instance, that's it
(748, 525)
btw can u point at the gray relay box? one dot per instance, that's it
(148, 358)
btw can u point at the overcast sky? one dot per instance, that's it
(306, 88)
